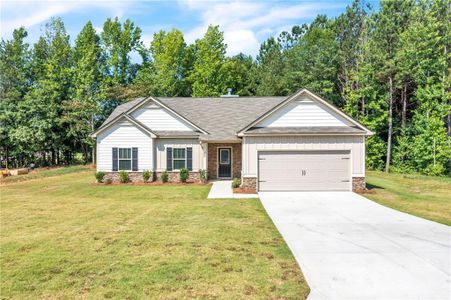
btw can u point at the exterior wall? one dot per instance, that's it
(123, 134)
(354, 143)
(157, 118)
(138, 176)
(304, 113)
(213, 159)
(162, 144)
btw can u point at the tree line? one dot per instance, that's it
(388, 68)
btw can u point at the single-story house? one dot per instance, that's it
(295, 143)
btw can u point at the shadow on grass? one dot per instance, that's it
(370, 186)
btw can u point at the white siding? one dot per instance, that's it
(157, 118)
(123, 134)
(199, 158)
(356, 144)
(304, 113)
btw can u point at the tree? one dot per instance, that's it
(118, 41)
(166, 74)
(81, 110)
(14, 84)
(209, 56)
(271, 64)
(39, 114)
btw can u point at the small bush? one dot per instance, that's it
(147, 175)
(108, 181)
(184, 174)
(236, 182)
(123, 176)
(434, 170)
(164, 176)
(203, 176)
(99, 176)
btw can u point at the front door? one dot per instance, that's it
(224, 163)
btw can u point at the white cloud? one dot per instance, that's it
(32, 13)
(245, 23)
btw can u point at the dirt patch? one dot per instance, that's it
(365, 192)
(243, 191)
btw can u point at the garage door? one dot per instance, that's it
(304, 171)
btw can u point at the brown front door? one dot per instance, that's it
(224, 163)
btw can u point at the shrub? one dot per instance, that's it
(146, 175)
(164, 176)
(99, 176)
(434, 170)
(184, 174)
(203, 176)
(123, 176)
(236, 182)
(108, 181)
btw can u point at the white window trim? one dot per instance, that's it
(130, 159)
(186, 158)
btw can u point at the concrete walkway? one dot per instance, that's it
(349, 247)
(223, 189)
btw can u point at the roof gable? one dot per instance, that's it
(158, 118)
(304, 109)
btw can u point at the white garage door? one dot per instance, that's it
(304, 171)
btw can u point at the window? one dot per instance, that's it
(178, 158)
(224, 156)
(125, 159)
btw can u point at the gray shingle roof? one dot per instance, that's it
(298, 130)
(221, 117)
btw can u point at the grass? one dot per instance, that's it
(428, 197)
(44, 172)
(65, 237)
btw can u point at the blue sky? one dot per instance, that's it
(245, 23)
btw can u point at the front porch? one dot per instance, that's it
(224, 160)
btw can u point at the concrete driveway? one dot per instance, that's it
(352, 248)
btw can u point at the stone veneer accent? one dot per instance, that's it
(138, 176)
(249, 183)
(174, 176)
(213, 159)
(358, 183)
(132, 176)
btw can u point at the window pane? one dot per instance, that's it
(178, 164)
(224, 157)
(125, 164)
(179, 153)
(125, 153)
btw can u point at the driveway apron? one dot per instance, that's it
(352, 248)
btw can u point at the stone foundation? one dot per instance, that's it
(358, 183)
(174, 176)
(132, 176)
(249, 183)
(138, 176)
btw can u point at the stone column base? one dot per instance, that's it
(249, 183)
(358, 184)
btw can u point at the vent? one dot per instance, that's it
(229, 94)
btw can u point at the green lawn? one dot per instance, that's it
(424, 196)
(64, 237)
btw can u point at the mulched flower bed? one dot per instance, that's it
(243, 191)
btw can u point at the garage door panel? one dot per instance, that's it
(301, 170)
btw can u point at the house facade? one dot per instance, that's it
(294, 143)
